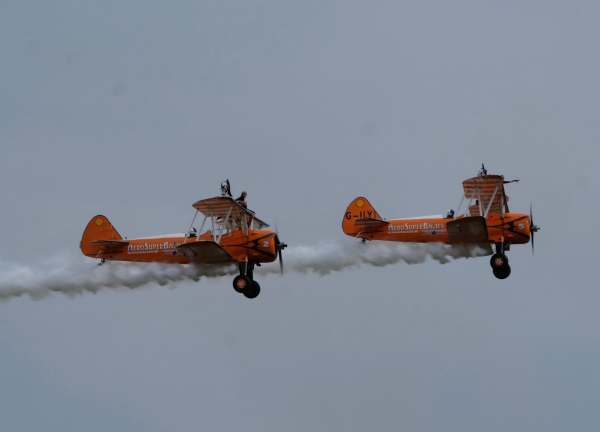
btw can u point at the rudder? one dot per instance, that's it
(359, 209)
(98, 228)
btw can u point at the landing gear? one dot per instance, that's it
(499, 262)
(244, 283)
(241, 283)
(501, 272)
(252, 291)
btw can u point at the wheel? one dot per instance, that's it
(253, 290)
(502, 272)
(498, 260)
(241, 283)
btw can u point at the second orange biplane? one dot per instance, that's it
(234, 236)
(487, 222)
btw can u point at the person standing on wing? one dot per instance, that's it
(241, 200)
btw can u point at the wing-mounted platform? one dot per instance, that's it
(225, 215)
(205, 252)
(471, 229)
(486, 195)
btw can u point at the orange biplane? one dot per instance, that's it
(487, 222)
(234, 236)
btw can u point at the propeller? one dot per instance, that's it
(533, 228)
(280, 246)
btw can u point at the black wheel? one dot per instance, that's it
(253, 290)
(498, 260)
(502, 272)
(241, 283)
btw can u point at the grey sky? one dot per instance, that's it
(136, 109)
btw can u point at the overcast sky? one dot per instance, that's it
(138, 108)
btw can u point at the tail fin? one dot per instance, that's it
(359, 214)
(98, 229)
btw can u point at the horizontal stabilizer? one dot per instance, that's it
(111, 242)
(110, 246)
(367, 225)
(371, 222)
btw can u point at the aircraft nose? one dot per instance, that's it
(533, 228)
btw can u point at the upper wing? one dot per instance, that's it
(488, 190)
(203, 251)
(227, 208)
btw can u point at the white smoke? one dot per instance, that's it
(325, 258)
(75, 275)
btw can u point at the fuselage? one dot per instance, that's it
(512, 228)
(257, 246)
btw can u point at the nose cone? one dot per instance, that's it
(532, 227)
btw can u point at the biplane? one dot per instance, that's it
(234, 235)
(487, 222)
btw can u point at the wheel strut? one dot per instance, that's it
(244, 283)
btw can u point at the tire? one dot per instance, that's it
(498, 261)
(252, 291)
(502, 272)
(241, 284)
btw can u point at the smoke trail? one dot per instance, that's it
(325, 258)
(74, 275)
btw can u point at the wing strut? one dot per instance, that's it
(487, 209)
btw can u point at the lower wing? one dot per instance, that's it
(205, 252)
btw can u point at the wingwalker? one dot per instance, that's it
(487, 222)
(234, 235)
